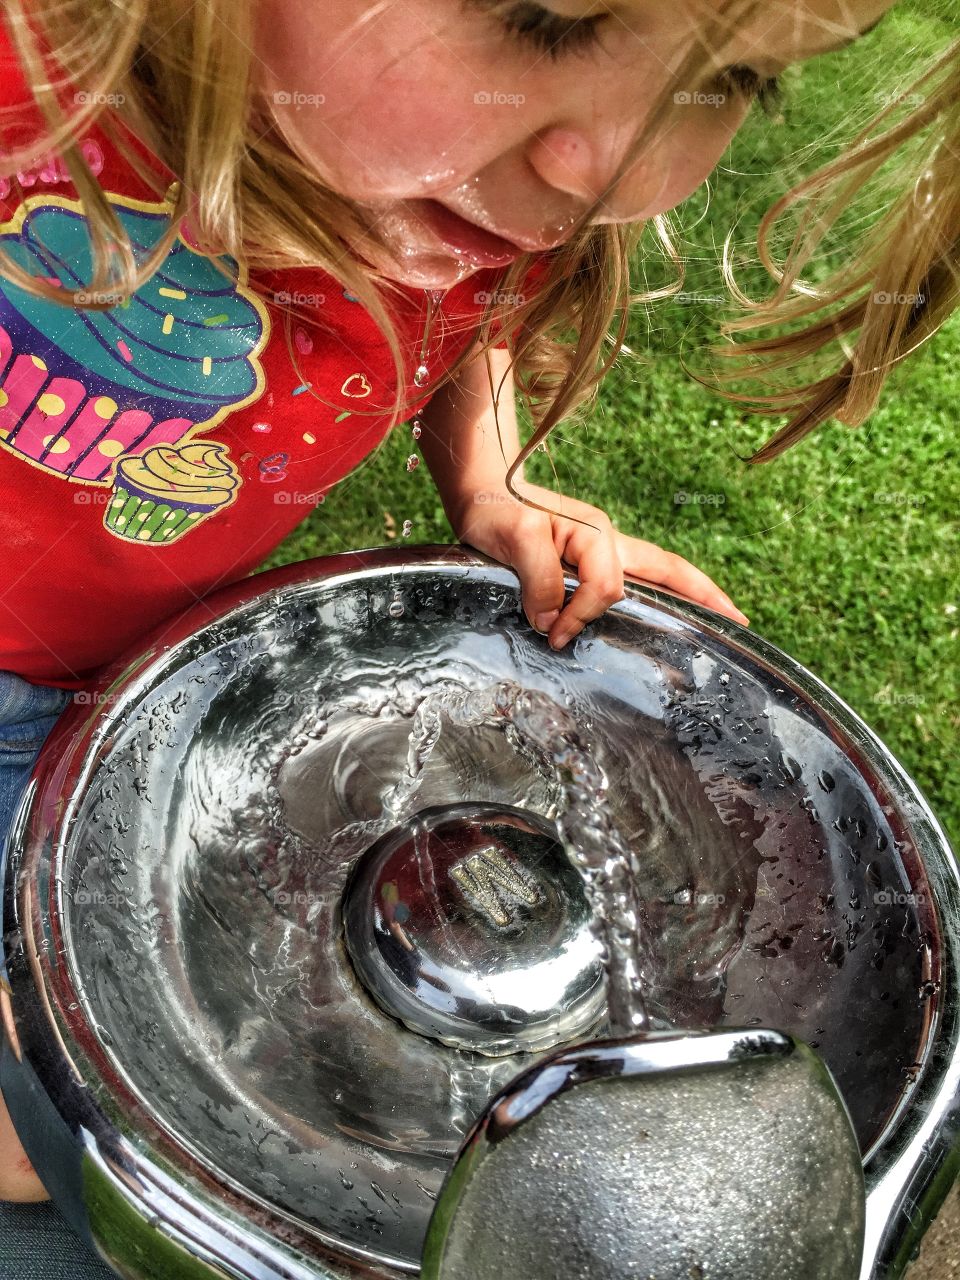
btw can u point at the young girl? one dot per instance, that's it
(240, 240)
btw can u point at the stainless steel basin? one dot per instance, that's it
(201, 1077)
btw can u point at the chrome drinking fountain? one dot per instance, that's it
(305, 980)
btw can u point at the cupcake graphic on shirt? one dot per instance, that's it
(81, 389)
(165, 492)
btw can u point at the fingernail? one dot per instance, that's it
(544, 621)
(560, 640)
(741, 616)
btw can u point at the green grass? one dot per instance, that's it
(844, 552)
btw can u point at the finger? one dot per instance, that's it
(601, 583)
(667, 569)
(532, 553)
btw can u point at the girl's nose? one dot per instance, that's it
(580, 165)
(566, 160)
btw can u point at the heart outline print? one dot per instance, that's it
(360, 380)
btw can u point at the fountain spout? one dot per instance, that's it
(722, 1154)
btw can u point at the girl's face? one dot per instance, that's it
(467, 139)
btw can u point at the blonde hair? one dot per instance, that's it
(177, 74)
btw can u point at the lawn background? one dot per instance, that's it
(844, 552)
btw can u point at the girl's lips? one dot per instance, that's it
(466, 239)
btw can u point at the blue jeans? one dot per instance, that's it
(35, 1241)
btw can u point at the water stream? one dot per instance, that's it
(549, 738)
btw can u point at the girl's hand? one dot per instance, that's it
(534, 542)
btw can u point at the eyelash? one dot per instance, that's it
(550, 32)
(555, 35)
(766, 91)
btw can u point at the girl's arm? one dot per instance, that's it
(460, 433)
(461, 448)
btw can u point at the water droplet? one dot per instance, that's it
(421, 376)
(413, 462)
(395, 609)
(417, 429)
(789, 767)
(262, 427)
(407, 527)
(724, 677)
(826, 780)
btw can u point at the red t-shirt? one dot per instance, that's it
(152, 453)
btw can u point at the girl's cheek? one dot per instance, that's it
(687, 157)
(409, 130)
(365, 157)
(386, 113)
